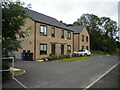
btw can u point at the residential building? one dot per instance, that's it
(81, 37)
(49, 36)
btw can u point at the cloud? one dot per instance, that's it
(70, 10)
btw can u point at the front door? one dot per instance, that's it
(52, 48)
(62, 49)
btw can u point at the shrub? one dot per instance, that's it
(5, 74)
(77, 55)
(44, 58)
(52, 57)
(62, 56)
(73, 55)
(67, 55)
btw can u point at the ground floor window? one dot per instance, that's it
(82, 47)
(43, 49)
(68, 49)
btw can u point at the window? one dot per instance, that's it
(43, 49)
(62, 34)
(62, 49)
(69, 35)
(87, 47)
(68, 49)
(86, 38)
(82, 47)
(53, 32)
(43, 30)
(83, 38)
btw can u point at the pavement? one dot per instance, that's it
(74, 74)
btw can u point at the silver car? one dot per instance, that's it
(83, 52)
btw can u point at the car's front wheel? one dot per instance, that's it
(85, 54)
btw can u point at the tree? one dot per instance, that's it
(103, 31)
(13, 19)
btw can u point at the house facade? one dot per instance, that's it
(81, 38)
(49, 36)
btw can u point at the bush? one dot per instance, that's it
(44, 58)
(67, 55)
(73, 55)
(52, 57)
(5, 74)
(77, 55)
(62, 56)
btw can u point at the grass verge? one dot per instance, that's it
(17, 71)
(72, 59)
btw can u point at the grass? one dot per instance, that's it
(103, 53)
(99, 52)
(17, 72)
(72, 59)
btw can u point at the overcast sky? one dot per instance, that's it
(69, 11)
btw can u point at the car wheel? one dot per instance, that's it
(85, 54)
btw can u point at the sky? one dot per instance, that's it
(69, 11)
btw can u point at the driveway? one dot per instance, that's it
(75, 74)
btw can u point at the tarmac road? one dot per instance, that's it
(75, 74)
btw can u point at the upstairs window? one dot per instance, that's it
(83, 38)
(68, 35)
(62, 34)
(43, 30)
(53, 32)
(86, 38)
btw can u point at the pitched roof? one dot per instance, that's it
(76, 29)
(38, 17)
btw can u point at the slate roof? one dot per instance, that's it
(76, 29)
(38, 17)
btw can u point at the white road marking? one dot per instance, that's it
(20, 83)
(101, 77)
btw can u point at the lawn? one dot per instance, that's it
(17, 71)
(72, 59)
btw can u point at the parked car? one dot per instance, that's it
(83, 52)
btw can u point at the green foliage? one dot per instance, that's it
(99, 52)
(62, 56)
(77, 55)
(72, 59)
(5, 74)
(52, 57)
(13, 20)
(102, 30)
(44, 58)
(67, 55)
(73, 55)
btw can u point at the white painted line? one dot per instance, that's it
(20, 83)
(101, 77)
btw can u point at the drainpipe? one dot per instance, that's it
(34, 40)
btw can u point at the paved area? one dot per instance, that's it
(75, 74)
(109, 80)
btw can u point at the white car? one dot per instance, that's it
(83, 52)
